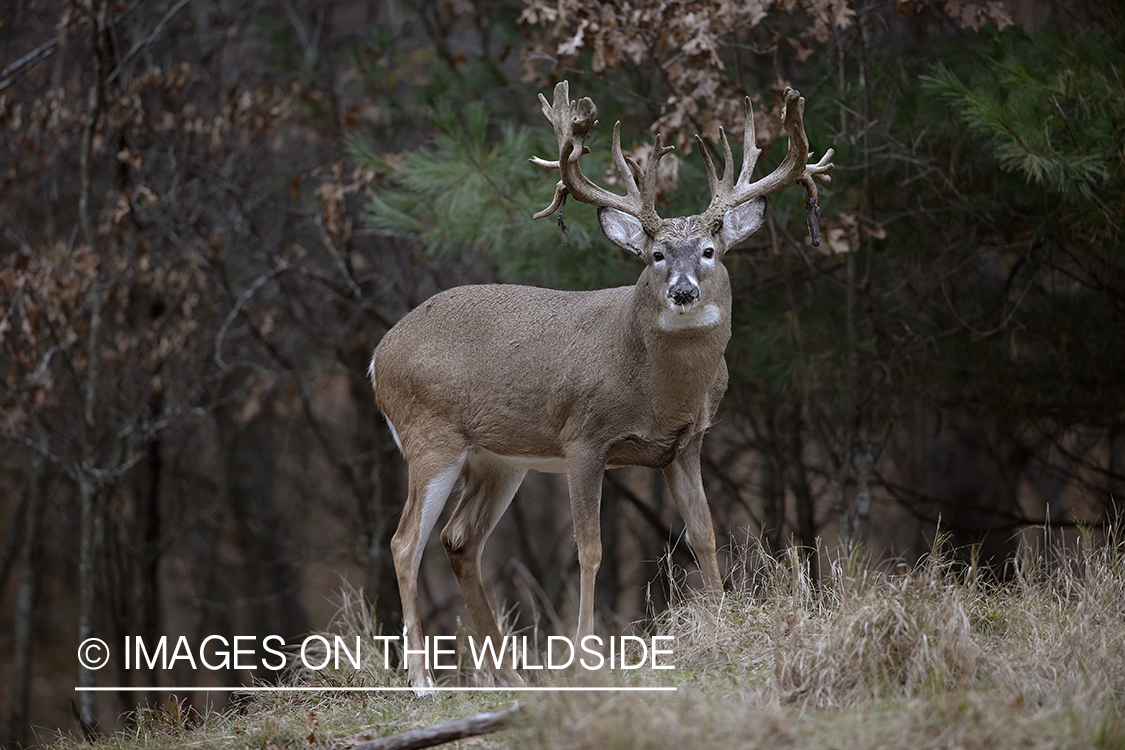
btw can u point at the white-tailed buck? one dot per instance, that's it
(482, 383)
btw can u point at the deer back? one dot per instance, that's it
(524, 371)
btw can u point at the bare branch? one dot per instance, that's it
(155, 34)
(439, 734)
(43, 51)
(242, 300)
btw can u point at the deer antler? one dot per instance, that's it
(726, 193)
(572, 123)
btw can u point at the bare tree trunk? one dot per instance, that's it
(773, 501)
(87, 555)
(863, 461)
(799, 483)
(1115, 475)
(609, 577)
(770, 484)
(655, 598)
(151, 547)
(27, 599)
(262, 529)
(87, 490)
(13, 545)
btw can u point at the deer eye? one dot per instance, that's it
(708, 252)
(657, 256)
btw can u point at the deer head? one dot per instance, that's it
(682, 252)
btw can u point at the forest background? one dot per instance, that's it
(211, 211)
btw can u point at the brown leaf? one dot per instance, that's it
(803, 50)
(835, 242)
(875, 231)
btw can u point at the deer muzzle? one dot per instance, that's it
(683, 291)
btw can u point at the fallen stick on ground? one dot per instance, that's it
(448, 731)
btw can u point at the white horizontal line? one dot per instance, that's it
(273, 689)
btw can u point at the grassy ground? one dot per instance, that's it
(936, 657)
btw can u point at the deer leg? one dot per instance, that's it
(685, 480)
(489, 488)
(584, 475)
(430, 478)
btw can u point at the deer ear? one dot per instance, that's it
(742, 221)
(623, 230)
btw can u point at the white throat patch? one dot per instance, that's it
(701, 317)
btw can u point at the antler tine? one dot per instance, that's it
(792, 167)
(817, 172)
(623, 168)
(638, 173)
(750, 150)
(648, 185)
(561, 99)
(728, 160)
(712, 180)
(573, 123)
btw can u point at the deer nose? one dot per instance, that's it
(683, 291)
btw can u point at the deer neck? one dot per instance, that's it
(684, 348)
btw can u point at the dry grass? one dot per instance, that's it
(935, 657)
